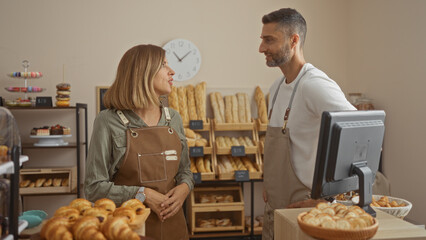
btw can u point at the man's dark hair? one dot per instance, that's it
(289, 20)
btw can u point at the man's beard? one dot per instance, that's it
(280, 58)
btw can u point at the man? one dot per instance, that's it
(297, 100)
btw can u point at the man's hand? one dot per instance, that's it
(154, 201)
(306, 203)
(175, 200)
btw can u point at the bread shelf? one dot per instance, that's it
(261, 127)
(206, 126)
(49, 173)
(233, 126)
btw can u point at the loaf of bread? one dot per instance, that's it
(262, 111)
(220, 142)
(228, 109)
(189, 133)
(199, 162)
(65, 182)
(24, 183)
(106, 204)
(235, 116)
(193, 167)
(235, 142)
(202, 142)
(221, 105)
(56, 228)
(87, 227)
(207, 164)
(48, 182)
(215, 107)
(183, 104)
(247, 107)
(200, 100)
(192, 111)
(116, 228)
(248, 141)
(223, 222)
(173, 99)
(239, 164)
(241, 108)
(39, 182)
(57, 182)
(248, 164)
(228, 141)
(242, 141)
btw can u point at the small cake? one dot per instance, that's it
(56, 130)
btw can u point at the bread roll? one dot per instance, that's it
(242, 141)
(192, 111)
(247, 107)
(226, 164)
(183, 104)
(201, 142)
(241, 108)
(39, 182)
(234, 165)
(248, 141)
(32, 184)
(220, 142)
(235, 116)
(65, 182)
(228, 109)
(248, 164)
(215, 107)
(48, 183)
(57, 182)
(228, 142)
(223, 222)
(193, 167)
(235, 142)
(239, 164)
(200, 100)
(189, 133)
(221, 105)
(24, 183)
(173, 99)
(199, 162)
(261, 105)
(56, 228)
(207, 164)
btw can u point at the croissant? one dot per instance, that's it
(68, 212)
(134, 221)
(56, 228)
(80, 204)
(106, 204)
(98, 212)
(87, 228)
(116, 228)
(135, 204)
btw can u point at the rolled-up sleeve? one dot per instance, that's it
(100, 163)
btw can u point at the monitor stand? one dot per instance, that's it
(365, 176)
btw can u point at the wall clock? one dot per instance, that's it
(183, 57)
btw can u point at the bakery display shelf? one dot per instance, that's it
(231, 175)
(31, 146)
(206, 126)
(50, 140)
(217, 235)
(34, 174)
(233, 126)
(261, 127)
(209, 193)
(7, 167)
(227, 151)
(235, 214)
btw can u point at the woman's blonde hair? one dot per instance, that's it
(133, 87)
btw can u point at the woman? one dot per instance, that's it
(138, 147)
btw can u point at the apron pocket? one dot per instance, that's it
(152, 167)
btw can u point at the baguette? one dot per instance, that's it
(199, 162)
(228, 109)
(242, 141)
(248, 141)
(173, 99)
(193, 167)
(189, 133)
(241, 108)
(183, 104)
(202, 142)
(192, 111)
(235, 142)
(221, 105)
(200, 100)
(247, 108)
(48, 183)
(261, 105)
(235, 116)
(228, 142)
(207, 164)
(215, 107)
(220, 142)
(248, 164)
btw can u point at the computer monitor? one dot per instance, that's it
(348, 154)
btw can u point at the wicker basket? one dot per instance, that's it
(337, 234)
(400, 212)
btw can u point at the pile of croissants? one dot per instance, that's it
(82, 220)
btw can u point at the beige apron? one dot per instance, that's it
(152, 160)
(282, 185)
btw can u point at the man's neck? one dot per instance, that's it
(292, 68)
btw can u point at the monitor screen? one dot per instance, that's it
(348, 154)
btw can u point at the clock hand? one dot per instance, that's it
(180, 60)
(185, 55)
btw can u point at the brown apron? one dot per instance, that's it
(152, 160)
(282, 185)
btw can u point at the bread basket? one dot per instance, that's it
(337, 234)
(400, 212)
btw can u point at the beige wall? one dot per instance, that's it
(89, 38)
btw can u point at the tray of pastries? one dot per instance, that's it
(397, 207)
(337, 221)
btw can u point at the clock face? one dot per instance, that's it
(183, 57)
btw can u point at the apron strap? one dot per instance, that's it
(287, 111)
(167, 113)
(126, 122)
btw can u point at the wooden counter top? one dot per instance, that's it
(390, 227)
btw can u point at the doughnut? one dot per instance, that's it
(63, 86)
(62, 103)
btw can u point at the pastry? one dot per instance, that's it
(39, 182)
(87, 228)
(206, 223)
(192, 111)
(32, 184)
(224, 222)
(207, 198)
(241, 108)
(133, 221)
(48, 183)
(80, 204)
(24, 183)
(261, 105)
(98, 212)
(106, 204)
(63, 86)
(56, 228)
(65, 182)
(57, 182)
(137, 205)
(116, 228)
(173, 99)
(68, 212)
(200, 100)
